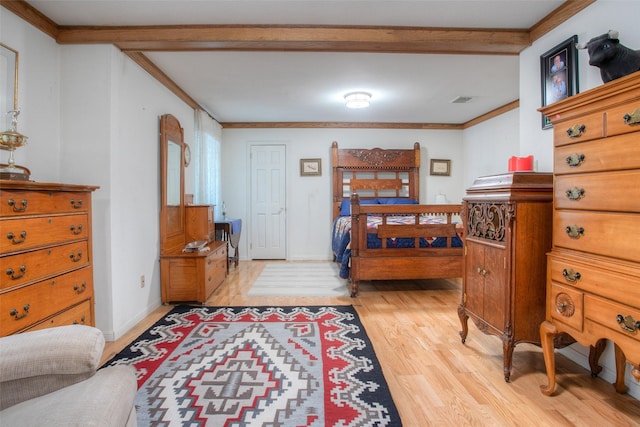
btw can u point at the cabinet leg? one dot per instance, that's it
(354, 288)
(594, 356)
(620, 365)
(547, 332)
(507, 351)
(462, 314)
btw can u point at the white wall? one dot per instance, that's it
(597, 19)
(92, 117)
(309, 215)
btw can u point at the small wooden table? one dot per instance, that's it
(229, 230)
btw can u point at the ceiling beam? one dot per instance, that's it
(302, 38)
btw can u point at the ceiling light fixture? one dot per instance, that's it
(358, 99)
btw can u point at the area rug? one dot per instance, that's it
(300, 279)
(258, 366)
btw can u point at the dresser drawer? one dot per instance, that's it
(591, 278)
(566, 305)
(80, 314)
(16, 202)
(20, 234)
(608, 234)
(40, 264)
(615, 316)
(612, 191)
(615, 153)
(585, 128)
(30, 304)
(623, 119)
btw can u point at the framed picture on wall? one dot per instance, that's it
(440, 167)
(559, 74)
(310, 167)
(8, 85)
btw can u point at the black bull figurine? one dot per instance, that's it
(613, 59)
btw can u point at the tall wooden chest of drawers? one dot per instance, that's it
(507, 235)
(593, 270)
(46, 278)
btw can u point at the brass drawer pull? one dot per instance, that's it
(574, 231)
(15, 314)
(575, 160)
(76, 230)
(12, 237)
(76, 204)
(12, 274)
(575, 193)
(627, 323)
(576, 131)
(15, 206)
(482, 272)
(80, 289)
(633, 118)
(76, 257)
(81, 322)
(571, 275)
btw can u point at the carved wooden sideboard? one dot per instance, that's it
(507, 234)
(46, 278)
(593, 278)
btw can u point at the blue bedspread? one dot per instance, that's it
(341, 237)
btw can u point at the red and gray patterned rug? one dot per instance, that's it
(259, 366)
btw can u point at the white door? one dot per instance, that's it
(268, 214)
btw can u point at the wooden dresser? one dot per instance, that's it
(507, 235)
(593, 277)
(194, 276)
(46, 278)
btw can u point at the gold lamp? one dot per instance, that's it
(10, 140)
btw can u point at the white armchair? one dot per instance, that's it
(48, 377)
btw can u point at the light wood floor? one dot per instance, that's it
(433, 377)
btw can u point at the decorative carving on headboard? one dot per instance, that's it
(488, 220)
(375, 157)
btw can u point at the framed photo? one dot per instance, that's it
(8, 85)
(440, 167)
(559, 74)
(310, 167)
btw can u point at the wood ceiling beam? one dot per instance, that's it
(302, 38)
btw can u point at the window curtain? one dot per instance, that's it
(207, 161)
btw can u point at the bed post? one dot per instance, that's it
(355, 242)
(414, 191)
(337, 178)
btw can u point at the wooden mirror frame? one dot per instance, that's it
(172, 216)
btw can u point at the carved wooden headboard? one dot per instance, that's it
(374, 173)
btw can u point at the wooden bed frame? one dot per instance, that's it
(375, 173)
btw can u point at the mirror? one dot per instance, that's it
(172, 211)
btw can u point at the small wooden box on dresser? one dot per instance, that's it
(194, 276)
(593, 270)
(46, 256)
(507, 235)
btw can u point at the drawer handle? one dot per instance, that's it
(81, 322)
(76, 230)
(80, 289)
(633, 118)
(482, 272)
(76, 204)
(575, 193)
(571, 275)
(575, 160)
(12, 237)
(76, 257)
(15, 314)
(576, 131)
(627, 323)
(12, 274)
(15, 206)
(574, 231)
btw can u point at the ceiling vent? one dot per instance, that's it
(461, 100)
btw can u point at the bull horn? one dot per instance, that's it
(581, 45)
(613, 34)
